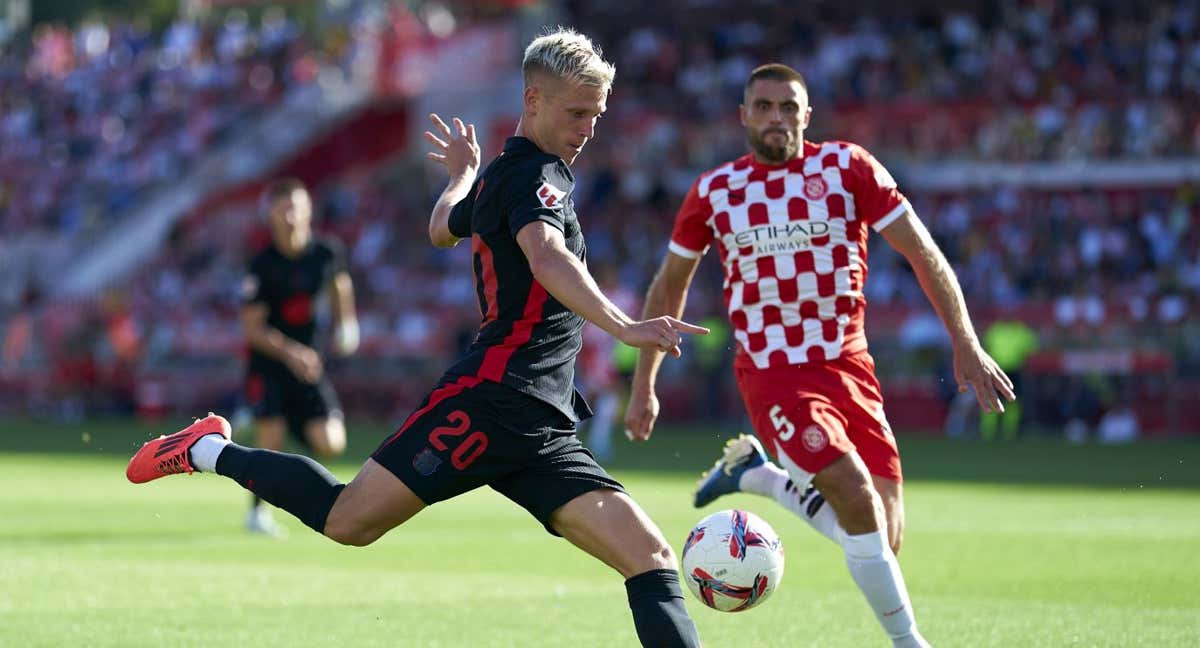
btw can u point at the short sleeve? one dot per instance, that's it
(252, 285)
(337, 258)
(459, 222)
(877, 199)
(540, 196)
(692, 234)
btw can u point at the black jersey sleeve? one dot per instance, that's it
(541, 195)
(459, 222)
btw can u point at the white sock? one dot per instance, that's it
(774, 482)
(205, 450)
(877, 574)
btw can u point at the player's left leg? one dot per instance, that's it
(891, 492)
(319, 414)
(294, 483)
(373, 503)
(609, 525)
(326, 436)
(839, 447)
(851, 492)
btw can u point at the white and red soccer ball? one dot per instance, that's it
(732, 560)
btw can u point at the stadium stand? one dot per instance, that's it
(1103, 262)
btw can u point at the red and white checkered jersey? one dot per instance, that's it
(793, 242)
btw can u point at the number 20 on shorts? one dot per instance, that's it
(469, 449)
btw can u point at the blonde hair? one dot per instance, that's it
(570, 56)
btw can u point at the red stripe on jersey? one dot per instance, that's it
(497, 357)
(438, 395)
(478, 246)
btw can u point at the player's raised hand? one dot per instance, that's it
(974, 368)
(641, 413)
(453, 146)
(663, 333)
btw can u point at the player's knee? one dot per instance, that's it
(348, 530)
(350, 535)
(665, 558)
(652, 553)
(859, 510)
(330, 447)
(329, 439)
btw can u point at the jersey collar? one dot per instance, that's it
(518, 144)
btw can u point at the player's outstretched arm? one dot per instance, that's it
(456, 149)
(972, 365)
(565, 277)
(666, 296)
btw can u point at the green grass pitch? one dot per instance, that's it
(1029, 544)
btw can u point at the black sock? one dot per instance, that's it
(255, 500)
(659, 615)
(294, 483)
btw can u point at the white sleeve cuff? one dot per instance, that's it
(685, 252)
(892, 216)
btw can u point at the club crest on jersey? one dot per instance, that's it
(814, 438)
(815, 188)
(550, 196)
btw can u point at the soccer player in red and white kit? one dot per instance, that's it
(790, 221)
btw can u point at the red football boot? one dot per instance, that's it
(168, 455)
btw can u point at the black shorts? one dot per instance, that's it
(468, 433)
(274, 394)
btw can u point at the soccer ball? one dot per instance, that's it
(732, 560)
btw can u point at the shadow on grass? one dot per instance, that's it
(691, 450)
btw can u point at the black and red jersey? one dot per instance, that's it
(291, 288)
(527, 339)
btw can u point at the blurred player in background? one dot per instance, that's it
(505, 414)
(790, 222)
(286, 384)
(599, 371)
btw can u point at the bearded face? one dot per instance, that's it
(775, 114)
(774, 145)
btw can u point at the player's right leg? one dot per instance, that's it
(609, 525)
(265, 393)
(270, 433)
(560, 483)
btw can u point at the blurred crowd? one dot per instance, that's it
(1011, 80)
(95, 116)
(1021, 81)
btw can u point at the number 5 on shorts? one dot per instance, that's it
(782, 425)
